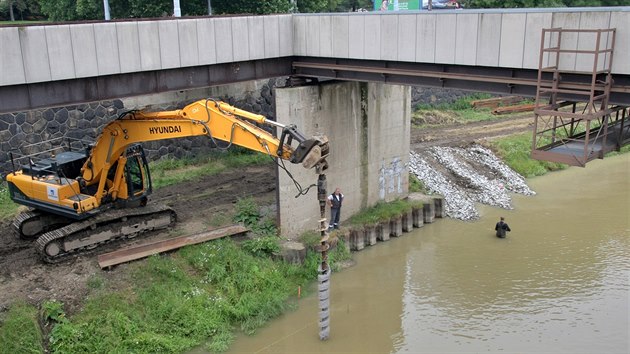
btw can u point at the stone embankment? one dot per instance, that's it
(466, 176)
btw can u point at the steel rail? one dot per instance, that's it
(443, 75)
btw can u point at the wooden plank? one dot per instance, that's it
(495, 102)
(144, 250)
(514, 109)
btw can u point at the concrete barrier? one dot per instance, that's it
(293, 252)
(382, 231)
(407, 221)
(357, 239)
(396, 226)
(417, 215)
(370, 234)
(428, 212)
(439, 206)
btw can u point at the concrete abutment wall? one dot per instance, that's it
(368, 126)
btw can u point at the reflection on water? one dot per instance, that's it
(558, 283)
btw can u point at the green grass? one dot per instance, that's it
(174, 171)
(203, 293)
(459, 104)
(515, 151)
(12, 23)
(416, 185)
(19, 330)
(382, 212)
(7, 208)
(624, 150)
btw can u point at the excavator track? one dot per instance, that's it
(30, 224)
(106, 227)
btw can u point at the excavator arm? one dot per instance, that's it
(215, 119)
(77, 184)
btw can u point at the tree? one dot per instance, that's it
(59, 10)
(8, 8)
(261, 7)
(354, 5)
(541, 3)
(11, 10)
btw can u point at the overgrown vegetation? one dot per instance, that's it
(265, 241)
(383, 211)
(72, 10)
(202, 293)
(20, 332)
(416, 185)
(312, 241)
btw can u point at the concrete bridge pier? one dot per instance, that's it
(407, 221)
(396, 226)
(368, 127)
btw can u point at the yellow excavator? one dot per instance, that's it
(82, 196)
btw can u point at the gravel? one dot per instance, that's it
(465, 176)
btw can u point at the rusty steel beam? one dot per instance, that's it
(477, 78)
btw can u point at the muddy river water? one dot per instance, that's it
(559, 282)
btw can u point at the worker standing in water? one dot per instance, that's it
(502, 228)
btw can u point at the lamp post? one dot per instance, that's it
(177, 12)
(106, 8)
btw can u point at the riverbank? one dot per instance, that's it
(559, 280)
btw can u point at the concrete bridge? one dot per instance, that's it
(486, 50)
(366, 115)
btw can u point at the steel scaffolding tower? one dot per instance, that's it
(574, 123)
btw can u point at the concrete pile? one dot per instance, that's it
(465, 176)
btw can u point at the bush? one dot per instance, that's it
(247, 212)
(262, 246)
(416, 185)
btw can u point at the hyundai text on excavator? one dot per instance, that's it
(82, 197)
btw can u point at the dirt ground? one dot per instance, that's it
(200, 205)
(463, 134)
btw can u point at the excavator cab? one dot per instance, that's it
(137, 177)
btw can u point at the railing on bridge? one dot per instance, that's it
(576, 125)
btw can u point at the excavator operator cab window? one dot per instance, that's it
(136, 170)
(135, 176)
